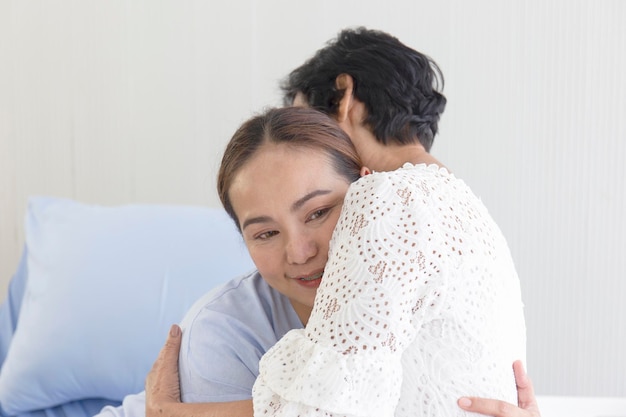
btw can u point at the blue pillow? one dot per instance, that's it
(104, 285)
(10, 308)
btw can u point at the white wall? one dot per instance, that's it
(132, 101)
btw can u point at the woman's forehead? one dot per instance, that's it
(274, 167)
(278, 176)
(277, 150)
(293, 157)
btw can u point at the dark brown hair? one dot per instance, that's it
(400, 87)
(295, 126)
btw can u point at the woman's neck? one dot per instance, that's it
(302, 311)
(390, 157)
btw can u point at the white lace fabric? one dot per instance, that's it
(419, 304)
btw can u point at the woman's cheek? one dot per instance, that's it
(264, 259)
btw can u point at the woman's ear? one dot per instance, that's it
(365, 171)
(346, 83)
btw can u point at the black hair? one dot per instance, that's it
(400, 87)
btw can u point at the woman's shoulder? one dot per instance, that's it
(406, 172)
(245, 302)
(410, 178)
(236, 323)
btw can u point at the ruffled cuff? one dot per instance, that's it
(301, 377)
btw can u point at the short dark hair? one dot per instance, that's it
(400, 87)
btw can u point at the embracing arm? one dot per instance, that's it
(163, 392)
(163, 389)
(527, 403)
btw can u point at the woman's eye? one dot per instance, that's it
(319, 213)
(266, 235)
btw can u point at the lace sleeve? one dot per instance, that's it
(372, 297)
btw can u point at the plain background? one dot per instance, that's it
(117, 102)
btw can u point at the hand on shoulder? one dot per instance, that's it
(163, 383)
(527, 403)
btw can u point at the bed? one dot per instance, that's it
(571, 406)
(94, 295)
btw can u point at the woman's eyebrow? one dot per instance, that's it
(253, 220)
(300, 202)
(295, 206)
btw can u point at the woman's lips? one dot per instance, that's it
(312, 277)
(310, 281)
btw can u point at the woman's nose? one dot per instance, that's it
(300, 249)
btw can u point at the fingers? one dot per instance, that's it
(527, 403)
(488, 407)
(525, 391)
(168, 356)
(521, 378)
(162, 382)
(171, 348)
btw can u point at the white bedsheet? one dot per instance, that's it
(557, 406)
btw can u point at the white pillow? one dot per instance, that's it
(104, 285)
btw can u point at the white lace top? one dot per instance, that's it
(419, 305)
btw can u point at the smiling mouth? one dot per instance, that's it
(312, 277)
